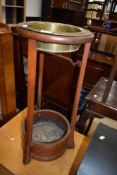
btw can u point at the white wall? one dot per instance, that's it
(33, 8)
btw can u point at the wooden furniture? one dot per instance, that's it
(96, 107)
(74, 38)
(11, 154)
(99, 31)
(63, 101)
(7, 82)
(97, 26)
(100, 62)
(12, 11)
(95, 9)
(104, 103)
(67, 4)
(101, 155)
(64, 11)
(101, 10)
(101, 101)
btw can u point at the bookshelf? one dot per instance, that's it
(95, 9)
(12, 11)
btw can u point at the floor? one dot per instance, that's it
(106, 121)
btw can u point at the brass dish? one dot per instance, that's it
(56, 29)
(57, 48)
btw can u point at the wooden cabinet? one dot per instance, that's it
(64, 11)
(12, 11)
(98, 66)
(7, 79)
(67, 4)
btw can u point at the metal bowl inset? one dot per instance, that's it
(52, 28)
(56, 48)
(55, 29)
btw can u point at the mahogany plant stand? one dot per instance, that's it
(50, 151)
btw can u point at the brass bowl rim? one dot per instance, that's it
(68, 48)
(82, 33)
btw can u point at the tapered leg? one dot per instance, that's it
(40, 79)
(77, 94)
(32, 60)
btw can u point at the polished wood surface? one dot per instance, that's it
(5, 26)
(67, 4)
(32, 56)
(64, 11)
(7, 79)
(106, 108)
(78, 91)
(11, 153)
(99, 64)
(96, 107)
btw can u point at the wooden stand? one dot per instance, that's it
(83, 37)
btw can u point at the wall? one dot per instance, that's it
(33, 8)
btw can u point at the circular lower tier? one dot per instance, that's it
(50, 133)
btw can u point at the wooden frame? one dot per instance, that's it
(33, 38)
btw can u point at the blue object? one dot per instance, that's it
(82, 102)
(107, 25)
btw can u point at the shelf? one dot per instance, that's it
(13, 6)
(93, 18)
(98, 6)
(77, 2)
(97, 2)
(12, 11)
(92, 10)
